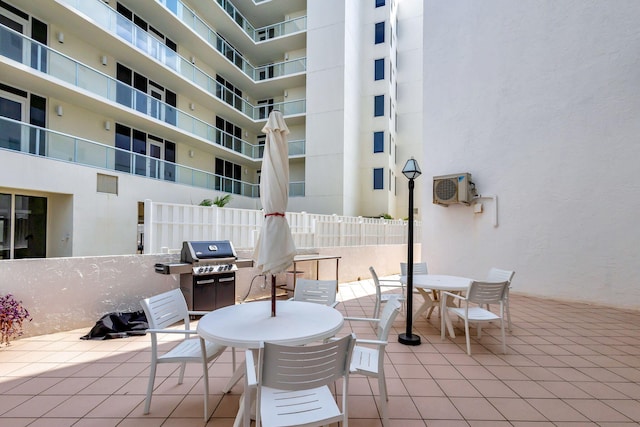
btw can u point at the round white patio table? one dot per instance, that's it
(435, 283)
(247, 325)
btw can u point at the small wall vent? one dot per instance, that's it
(453, 189)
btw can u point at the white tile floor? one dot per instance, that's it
(568, 364)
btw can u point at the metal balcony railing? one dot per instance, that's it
(44, 59)
(37, 141)
(111, 21)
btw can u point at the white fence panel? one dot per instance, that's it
(167, 225)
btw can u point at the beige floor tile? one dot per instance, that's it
(567, 365)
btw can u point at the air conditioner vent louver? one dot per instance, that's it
(452, 189)
(446, 189)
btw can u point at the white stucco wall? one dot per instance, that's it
(62, 294)
(539, 100)
(325, 121)
(84, 222)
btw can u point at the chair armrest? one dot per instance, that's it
(198, 313)
(374, 342)
(460, 297)
(172, 331)
(251, 378)
(389, 283)
(363, 319)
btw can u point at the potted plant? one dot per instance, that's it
(12, 316)
(219, 201)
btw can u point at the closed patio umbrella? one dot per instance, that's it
(275, 249)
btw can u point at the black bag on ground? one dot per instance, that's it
(118, 325)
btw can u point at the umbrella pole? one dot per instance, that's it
(273, 295)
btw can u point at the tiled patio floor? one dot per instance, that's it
(567, 365)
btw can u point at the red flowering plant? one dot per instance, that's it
(12, 316)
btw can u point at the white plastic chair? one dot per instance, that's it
(291, 383)
(369, 361)
(316, 291)
(382, 298)
(162, 311)
(498, 275)
(479, 294)
(430, 297)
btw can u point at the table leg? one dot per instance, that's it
(425, 305)
(445, 321)
(237, 375)
(430, 302)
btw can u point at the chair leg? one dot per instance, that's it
(183, 366)
(152, 378)
(504, 343)
(466, 334)
(506, 306)
(384, 398)
(205, 378)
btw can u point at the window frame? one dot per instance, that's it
(378, 142)
(378, 106)
(379, 32)
(378, 69)
(378, 178)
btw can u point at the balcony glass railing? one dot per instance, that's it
(33, 140)
(200, 27)
(108, 19)
(281, 29)
(46, 60)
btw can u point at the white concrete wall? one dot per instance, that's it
(540, 101)
(325, 132)
(62, 294)
(96, 223)
(409, 83)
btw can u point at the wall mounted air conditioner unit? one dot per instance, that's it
(452, 189)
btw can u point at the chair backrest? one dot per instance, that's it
(166, 309)
(317, 291)
(387, 317)
(418, 268)
(487, 292)
(498, 275)
(304, 367)
(376, 282)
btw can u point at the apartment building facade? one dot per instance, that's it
(106, 103)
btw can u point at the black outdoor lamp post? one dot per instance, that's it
(411, 170)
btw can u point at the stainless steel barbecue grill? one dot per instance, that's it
(207, 274)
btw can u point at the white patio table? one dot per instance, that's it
(436, 283)
(247, 325)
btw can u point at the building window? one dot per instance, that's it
(378, 106)
(378, 179)
(379, 69)
(228, 176)
(143, 154)
(379, 32)
(23, 233)
(379, 3)
(378, 142)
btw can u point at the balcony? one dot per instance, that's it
(109, 20)
(33, 140)
(55, 64)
